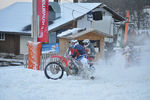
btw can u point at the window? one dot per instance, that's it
(96, 44)
(55, 0)
(2, 36)
(75, 1)
(97, 15)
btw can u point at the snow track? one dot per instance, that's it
(113, 81)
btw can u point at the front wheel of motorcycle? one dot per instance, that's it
(54, 70)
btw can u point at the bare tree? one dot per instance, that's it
(121, 6)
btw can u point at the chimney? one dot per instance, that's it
(72, 1)
(75, 1)
(56, 0)
(54, 11)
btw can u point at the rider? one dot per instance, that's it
(71, 47)
(128, 51)
(89, 48)
(80, 54)
(79, 51)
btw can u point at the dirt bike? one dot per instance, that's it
(55, 69)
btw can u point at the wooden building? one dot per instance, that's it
(11, 44)
(91, 34)
(15, 31)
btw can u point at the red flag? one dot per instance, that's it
(126, 28)
(42, 12)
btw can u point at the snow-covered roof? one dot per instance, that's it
(70, 32)
(15, 17)
(19, 15)
(71, 11)
(76, 32)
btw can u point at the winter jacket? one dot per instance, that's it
(91, 50)
(78, 51)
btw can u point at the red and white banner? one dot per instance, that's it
(42, 12)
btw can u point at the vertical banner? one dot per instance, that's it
(126, 28)
(42, 12)
(34, 55)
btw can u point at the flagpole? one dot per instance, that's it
(34, 20)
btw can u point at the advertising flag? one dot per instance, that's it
(126, 28)
(42, 12)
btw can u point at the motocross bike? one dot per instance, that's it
(55, 69)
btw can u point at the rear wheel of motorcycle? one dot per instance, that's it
(54, 70)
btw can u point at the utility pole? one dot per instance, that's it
(34, 50)
(35, 27)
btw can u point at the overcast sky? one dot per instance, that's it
(5, 3)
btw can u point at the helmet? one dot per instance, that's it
(86, 42)
(71, 43)
(74, 42)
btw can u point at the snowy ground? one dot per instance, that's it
(113, 81)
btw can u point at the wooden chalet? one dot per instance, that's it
(90, 34)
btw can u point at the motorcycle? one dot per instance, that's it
(132, 58)
(55, 69)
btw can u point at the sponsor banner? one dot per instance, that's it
(52, 47)
(42, 12)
